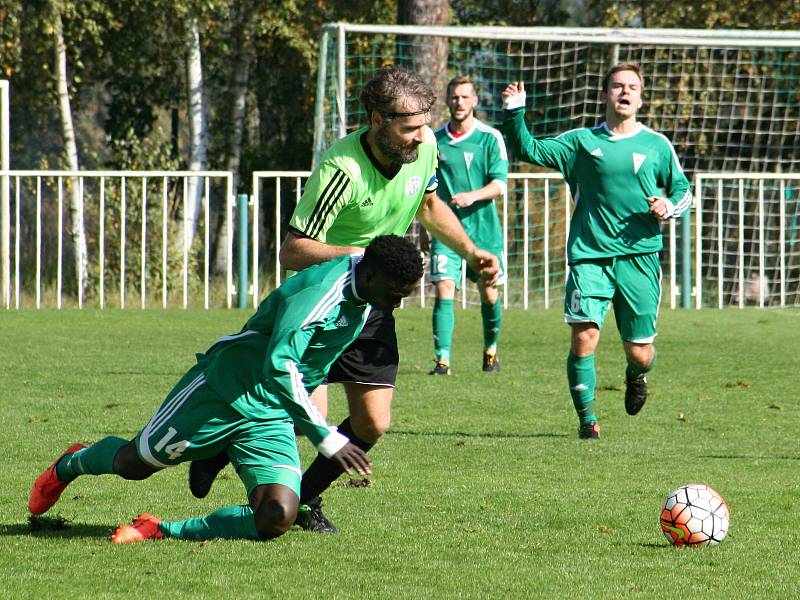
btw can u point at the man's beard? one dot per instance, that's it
(453, 116)
(394, 152)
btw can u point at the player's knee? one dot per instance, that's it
(372, 428)
(584, 344)
(274, 518)
(640, 355)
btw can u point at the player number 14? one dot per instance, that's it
(175, 449)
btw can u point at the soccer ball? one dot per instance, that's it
(694, 515)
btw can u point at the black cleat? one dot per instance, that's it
(442, 367)
(590, 431)
(204, 471)
(311, 518)
(490, 362)
(635, 394)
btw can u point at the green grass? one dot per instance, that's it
(481, 489)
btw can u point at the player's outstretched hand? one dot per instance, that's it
(353, 460)
(512, 89)
(486, 264)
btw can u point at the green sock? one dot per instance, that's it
(582, 380)
(444, 320)
(634, 372)
(229, 522)
(97, 459)
(492, 316)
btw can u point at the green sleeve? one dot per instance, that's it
(556, 153)
(326, 193)
(497, 160)
(674, 182)
(285, 366)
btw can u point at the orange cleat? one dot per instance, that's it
(145, 527)
(48, 487)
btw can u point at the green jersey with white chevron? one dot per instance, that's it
(286, 348)
(610, 176)
(349, 199)
(469, 162)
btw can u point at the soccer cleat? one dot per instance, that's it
(590, 431)
(635, 394)
(204, 471)
(490, 362)
(145, 527)
(311, 518)
(442, 367)
(48, 487)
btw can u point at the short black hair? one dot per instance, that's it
(390, 85)
(396, 257)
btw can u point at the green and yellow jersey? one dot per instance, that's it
(349, 199)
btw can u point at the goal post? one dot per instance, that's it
(728, 100)
(5, 199)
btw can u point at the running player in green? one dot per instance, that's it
(244, 394)
(625, 179)
(473, 171)
(374, 181)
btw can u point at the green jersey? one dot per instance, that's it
(349, 199)
(469, 162)
(286, 348)
(610, 176)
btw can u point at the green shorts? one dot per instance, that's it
(194, 422)
(446, 265)
(631, 283)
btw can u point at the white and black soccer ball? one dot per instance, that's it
(694, 515)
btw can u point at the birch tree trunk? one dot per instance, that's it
(77, 229)
(197, 128)
(243, 57)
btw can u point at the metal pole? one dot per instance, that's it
(242, 214)
(686, 260)
(319, 103)
(5, 196)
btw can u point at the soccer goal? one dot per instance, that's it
(5, 206)
(728, 100)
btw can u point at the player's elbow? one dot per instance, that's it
(290, 253)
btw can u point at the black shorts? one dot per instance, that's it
(373, 357)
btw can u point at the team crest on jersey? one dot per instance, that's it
(638, 159)
(413, 185)
(468, 156)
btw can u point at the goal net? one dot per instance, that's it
(728, 100)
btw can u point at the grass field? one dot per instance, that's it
(481, 489)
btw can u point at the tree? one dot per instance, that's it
(243, 20)
(198, 147)
(77, 229)
(429, 55)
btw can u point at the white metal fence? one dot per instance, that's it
(535, 217)
(747, 241)
(127, 223)
(744, 244)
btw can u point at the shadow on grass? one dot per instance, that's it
(749, 457)
(55, 527)
(513, 436)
